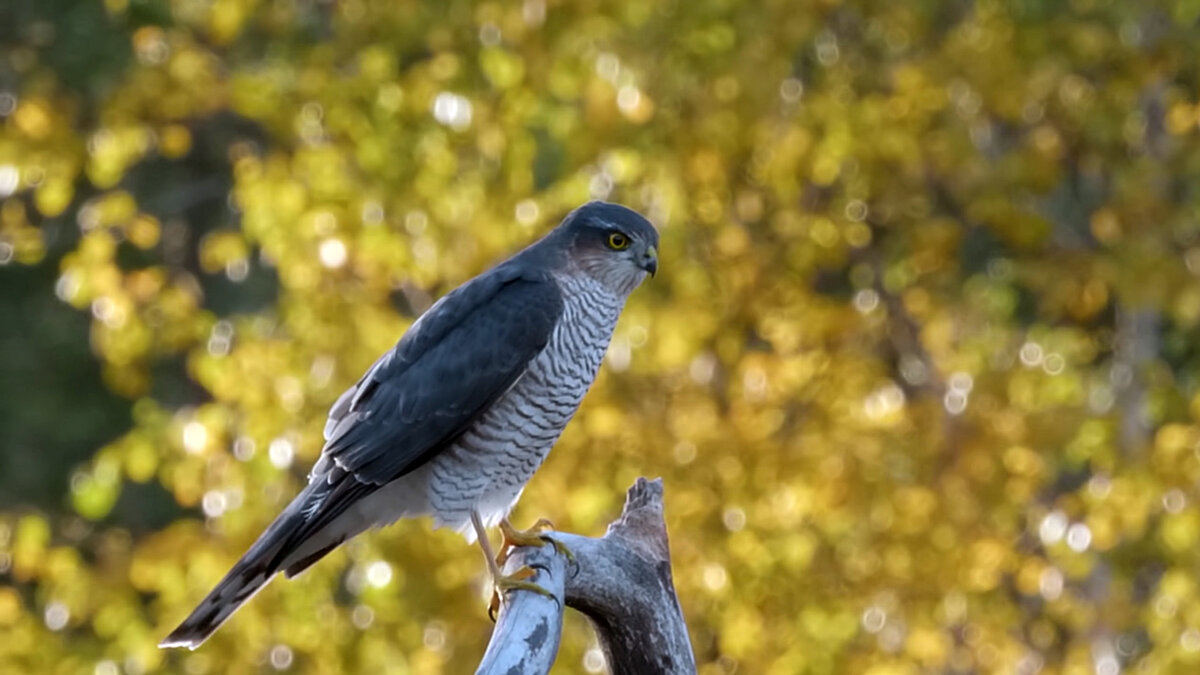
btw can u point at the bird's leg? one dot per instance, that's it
(502, 582)
(514, 538)
(486, 545)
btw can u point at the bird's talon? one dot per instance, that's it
(542, 525)
(514, 538)
(513, 582)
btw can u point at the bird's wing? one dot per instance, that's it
(466, 352)
(460, 356)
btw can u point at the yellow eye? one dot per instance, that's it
(618, 241)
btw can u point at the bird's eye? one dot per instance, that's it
(618, 241)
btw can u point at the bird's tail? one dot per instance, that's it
(247, 577)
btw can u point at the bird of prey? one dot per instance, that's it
(453, 421)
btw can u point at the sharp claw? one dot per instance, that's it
(561, 548)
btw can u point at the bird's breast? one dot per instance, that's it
(489, 465)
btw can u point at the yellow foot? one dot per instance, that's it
(512, 582)
(514, 538)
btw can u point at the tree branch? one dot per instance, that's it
(621, 582)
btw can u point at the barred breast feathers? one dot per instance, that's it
(490, 464)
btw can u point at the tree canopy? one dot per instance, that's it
(920, 368)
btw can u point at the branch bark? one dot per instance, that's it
(621, 582)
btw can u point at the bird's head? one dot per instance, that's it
(613, 244)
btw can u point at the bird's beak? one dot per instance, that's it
(649, 260)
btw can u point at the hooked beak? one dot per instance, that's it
(649, 261)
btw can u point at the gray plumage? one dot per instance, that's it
(456, 418)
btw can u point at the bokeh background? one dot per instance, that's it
(920, 370)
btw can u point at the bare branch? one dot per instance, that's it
(529, 627)
(621, 582)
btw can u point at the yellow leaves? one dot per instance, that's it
(1088, 299)
(150, 44)
(1106, 226)
(588, 506)
(171, 564)
(1182, 118)
(174, 141)
(143, 231)
(114, 620)
(226, 19)
(140, 456)
(786, 333)
(255, 94)
(33, 118)
(112, 151)
(1048, 143)
(757, 424)
(676, 344)
(711, 38)
(825, 625)
(1031, 576)
(898, 563)
(10, 606)
(857, 235)
(1076, 93)
(326, 172)
(54, 195)
(377, 63)
(635, 104)
(913, 83)
(111, 210)
(928, 646)
(1181, 532)
(1018, 226)
(783, 155)
(1178, 586)
(892, 668)
(1172, 441)
(1022, 461)
(30, 542)
(94, 491)
(1187, 306)
(19, 241)
(604, 421)
(826, 167)
(988, 560)
(704, 166)
(191, 65)
(742, 632)
(222, 248)
(916, 506)
(855, 227)
(503, 68)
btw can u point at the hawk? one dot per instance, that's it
(453, 421)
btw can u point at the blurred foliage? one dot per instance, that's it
(919, 370)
